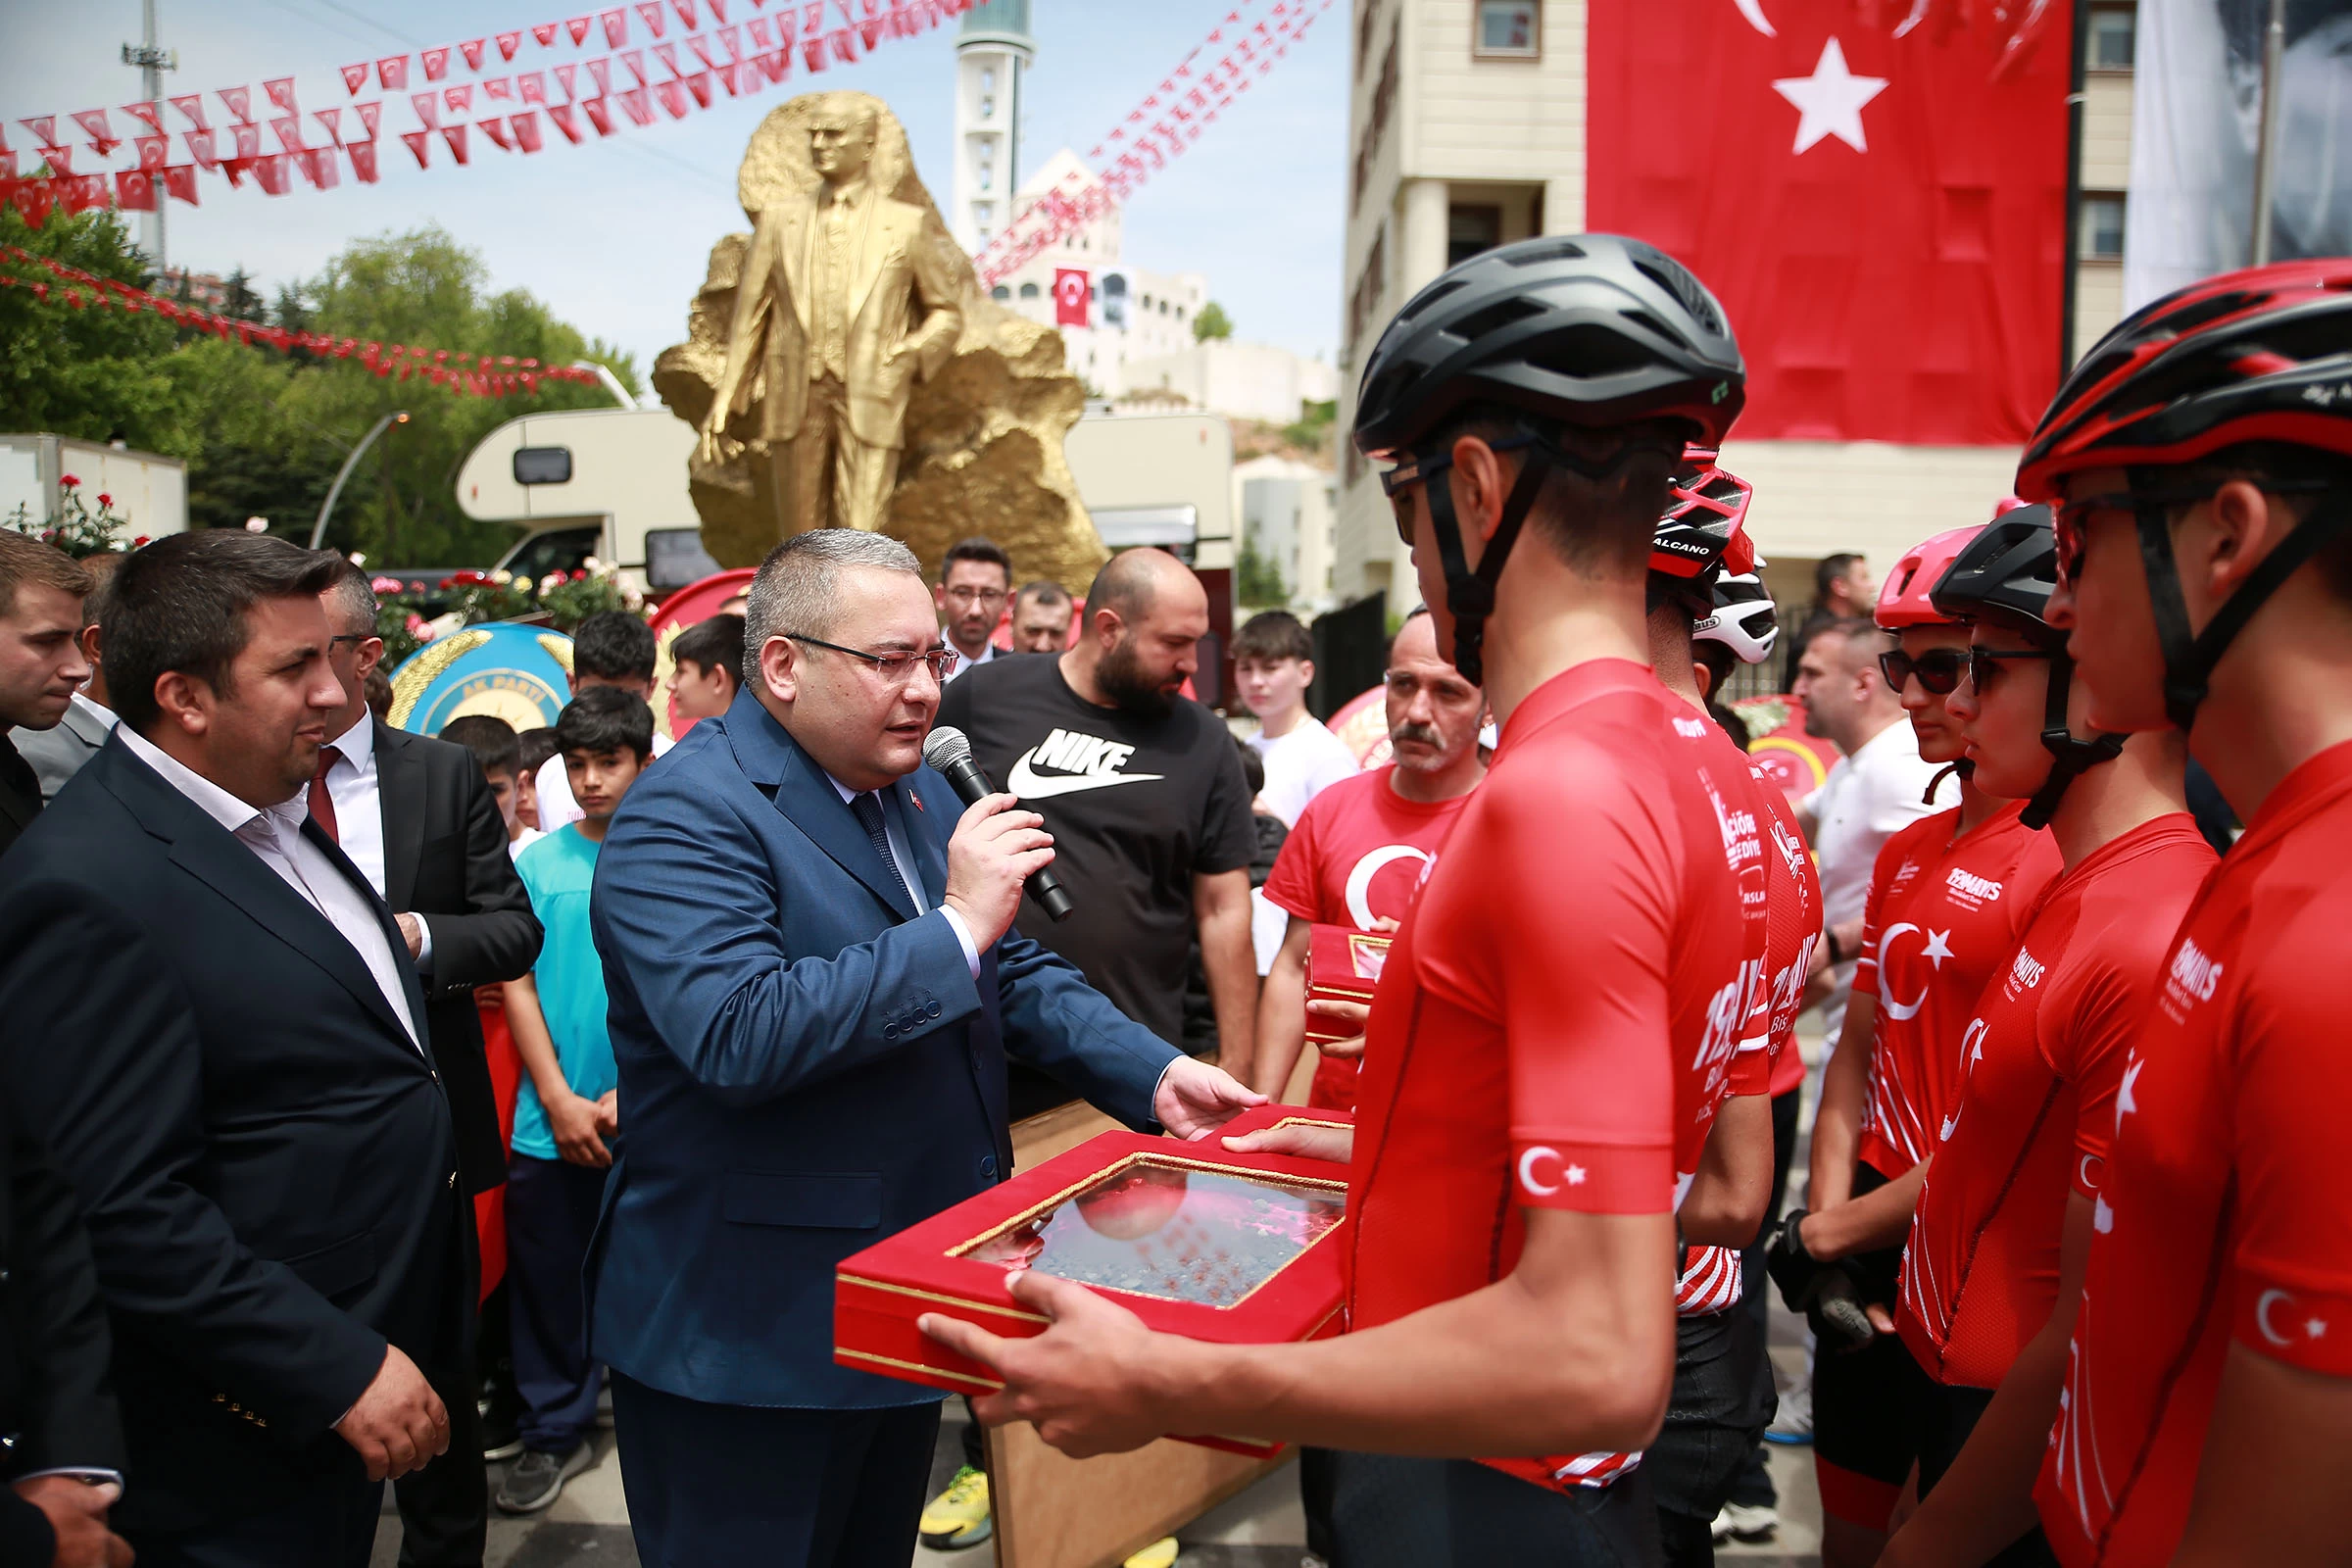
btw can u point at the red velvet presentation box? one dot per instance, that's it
(1342, 964)
(1192, 1238)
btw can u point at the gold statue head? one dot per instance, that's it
(841, 138)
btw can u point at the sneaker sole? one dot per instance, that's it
(503, 1452)
(961, 1539)
(1791, 1440)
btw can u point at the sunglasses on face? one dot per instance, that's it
(1938, 670)
(1420, 470)
(1986, 663)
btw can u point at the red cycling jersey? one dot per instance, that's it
(2036, 1107)
(1557, 1018)
(1943, 918)
(1354, 857)
(2223, 1215)
(1793, 888)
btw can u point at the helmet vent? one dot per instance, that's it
(2190, 318)
(1496, 316)
(1586, 351)
(1530, 255)
(1669, 275)
(1426, 298)
(1643, 319)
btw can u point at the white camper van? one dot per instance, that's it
(603, 483)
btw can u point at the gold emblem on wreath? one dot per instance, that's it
(408, 687)
(556, 646)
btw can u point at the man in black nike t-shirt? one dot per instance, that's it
(1142, 792)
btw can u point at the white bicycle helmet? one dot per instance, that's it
(1744, 619)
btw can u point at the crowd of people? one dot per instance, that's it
(384, 1108)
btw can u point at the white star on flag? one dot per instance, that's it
(1576, 1175)
(1828, 102)
(2313, 1328)
(1939, 943)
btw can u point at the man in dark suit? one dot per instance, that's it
(41, 591)
(813, 992)
(213, 1022)
(415, 815)
(61, 1441)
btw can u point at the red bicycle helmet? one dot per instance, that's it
(1903, 596)
(1702, 530)
(2264, 353)
(2262, 358)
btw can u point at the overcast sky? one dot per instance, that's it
(614, 235)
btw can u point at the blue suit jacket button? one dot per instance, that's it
(988, 1166)
(934, 1010)
(889, 1031)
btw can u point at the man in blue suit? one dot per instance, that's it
(814, 989)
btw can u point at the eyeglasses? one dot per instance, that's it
(893, 668)
(2066, 519)
(355, 638)
(1939, 670)
(1420, 470)
(1983, 663)
(985, 595)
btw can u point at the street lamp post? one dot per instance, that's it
(326, 509)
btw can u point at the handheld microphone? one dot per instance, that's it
(947, 751)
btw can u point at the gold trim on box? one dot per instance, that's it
(944, 1300)
(987, 1385)
(1213, 1167)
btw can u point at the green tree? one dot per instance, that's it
(1256, 581)
(1211, 324)
(1312, 431)
(100, 374)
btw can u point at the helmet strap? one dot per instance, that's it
(2189, 656)
(1965, 767)
(1470, 593)
(2069, 757)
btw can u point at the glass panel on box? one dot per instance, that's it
(1175, 1232)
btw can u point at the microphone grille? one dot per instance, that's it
(944, 746)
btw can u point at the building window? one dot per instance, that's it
(1470, 230)
(1028, 291)
(988, 78)
(2102, 233)
(2114, 37)
(1508, 30)
(988, 107)
(999, 292)
(984, 212)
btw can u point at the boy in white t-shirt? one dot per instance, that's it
(1273, 664)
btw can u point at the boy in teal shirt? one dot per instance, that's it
(566, 1106)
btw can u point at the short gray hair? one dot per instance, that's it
(797, 585)
(355, 598)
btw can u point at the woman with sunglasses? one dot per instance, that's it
(1993, 1274)
(1948, 894)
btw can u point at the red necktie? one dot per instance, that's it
(323, 805)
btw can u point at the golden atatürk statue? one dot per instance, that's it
(842, 304)
(844, 367)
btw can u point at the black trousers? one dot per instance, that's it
(332, 1525)
(1950, 1415)
(445, 1508)
(1753, 1485)
(732, 1486)
(551, 1214)
(1392, 1512)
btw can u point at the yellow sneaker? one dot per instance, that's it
(1160, 1553)
(959, 1517)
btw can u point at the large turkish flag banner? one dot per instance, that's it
(1070, 295)
(1877, 194)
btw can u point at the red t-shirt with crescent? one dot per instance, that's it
(2036, 1107)
(1557, 1018)
(1357, 856)
(1943, 918)
(2224, 1217)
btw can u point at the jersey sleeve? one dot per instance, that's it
(2087, 1040)
(1292, 885)
(2292, 1076)
(1566, 937)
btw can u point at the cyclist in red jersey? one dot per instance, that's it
(1949, 896)
(1741, 628)
(1721, 1380)
(1355, 857)
(1559, 1013)
(2202, 456)
(1993, 1266)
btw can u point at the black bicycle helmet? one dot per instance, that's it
(2011, 568)
(1593, 330)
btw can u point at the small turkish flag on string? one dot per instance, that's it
(135, 193)
(531, 86)
(428, 106)
(281, 93)
(362, 161)
(545, 33)
(1881, 218)
(332, 120)
(635, 59)
(271, 172)
(668, 53)
(527, 130)
(199, 148)
(392, 72)
(98, 128)
(152, 115)
(436, 62)
(289, 132)
(455, 135)
(248, 138)
(685, 10)
(240, 102)
(568, 75)
(600, 115)
(495, 128)
(498, 87)
(761, 39)
(153, 151)
(472, 49)
(674, 98)
(578, 27)
(355, 77)
(192, 106)
(648, 12)
(179, 179)
(370, 115)
(616, 27)
(507, 43)
(421, 143)
(1069, 297)
(566, 121)
(459, 96)
(637, 106)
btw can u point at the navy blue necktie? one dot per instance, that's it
(868, 809)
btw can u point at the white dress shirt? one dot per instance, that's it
(274, 836)
(356, 789)
(105, 717)
(902, 857)
(988, 652)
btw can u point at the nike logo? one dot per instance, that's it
(1083, 761)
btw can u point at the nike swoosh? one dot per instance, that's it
(1031, 786)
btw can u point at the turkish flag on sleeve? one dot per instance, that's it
(1069, 297)
(1875, 192)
